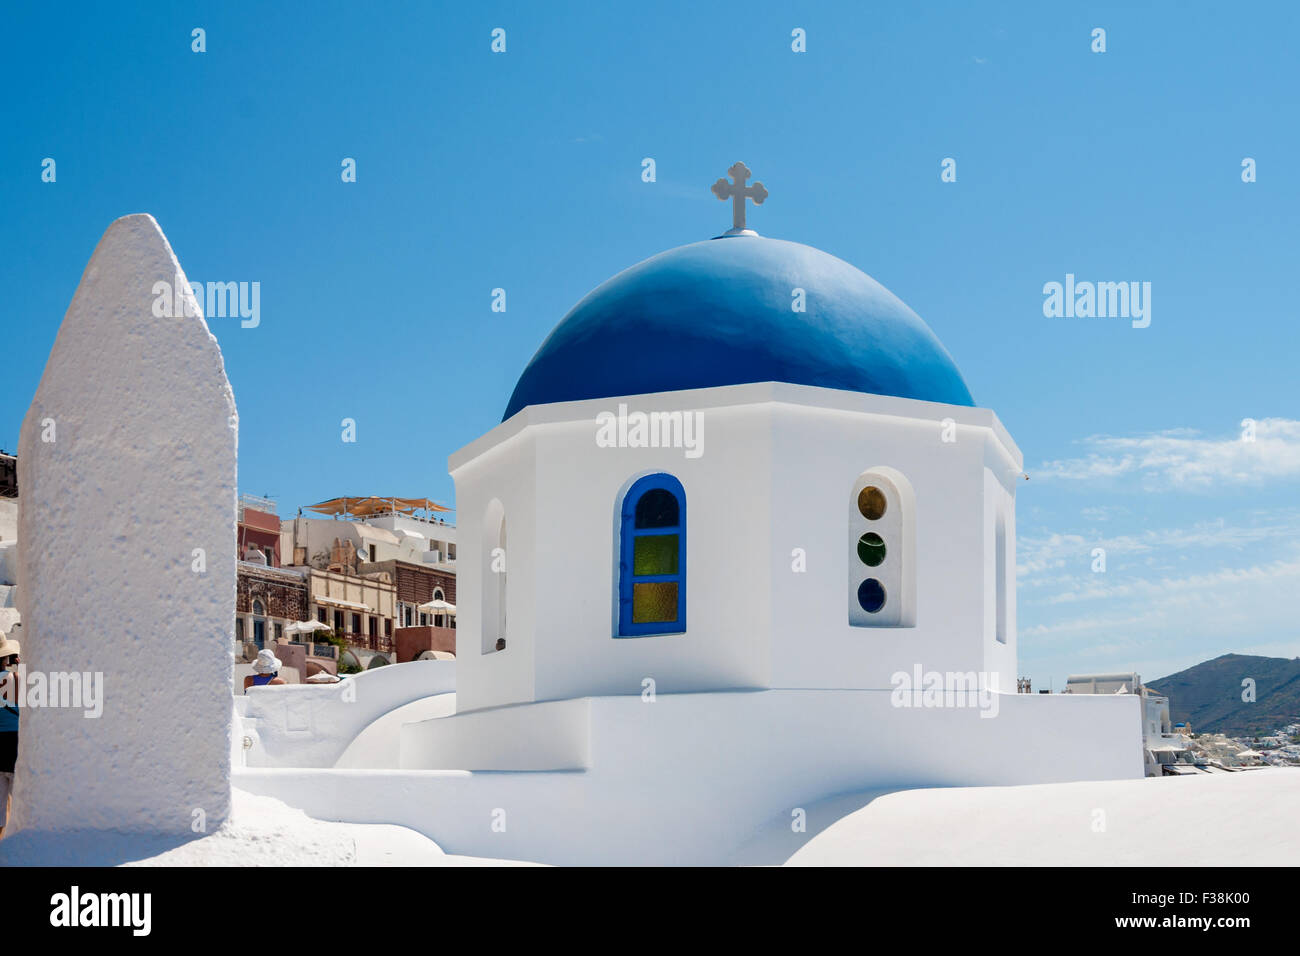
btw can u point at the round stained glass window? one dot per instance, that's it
(871, 549)
(871, 502)
(871, 595)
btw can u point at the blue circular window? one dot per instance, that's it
(871, 595)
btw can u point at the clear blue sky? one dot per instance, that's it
(522, 170)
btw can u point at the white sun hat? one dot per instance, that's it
(267, 662)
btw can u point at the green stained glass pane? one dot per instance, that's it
(654, 554)
(654, 602)
(871, 549)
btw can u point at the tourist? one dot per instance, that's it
(9, 651)
(267, 667)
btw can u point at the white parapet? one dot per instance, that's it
(710, 778)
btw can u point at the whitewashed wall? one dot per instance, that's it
(505, 474)
(699, 778)
(127, 469)
(311, 725)
(776, 473)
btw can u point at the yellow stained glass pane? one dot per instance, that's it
(654, 602)
(871, 502)
(654, 554)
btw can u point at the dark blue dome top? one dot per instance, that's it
(719, 312)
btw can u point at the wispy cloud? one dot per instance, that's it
(1089, 625)
(1104, 512)
(1222, 581)
(1167, 598)
(1057, 552)
(1185, 459)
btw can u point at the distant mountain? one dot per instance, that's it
(1209, 694)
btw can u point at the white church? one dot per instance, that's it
(786, 586)
(787, 574)
(844, 513)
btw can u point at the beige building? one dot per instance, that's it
(361, 610)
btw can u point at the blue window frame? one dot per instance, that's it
(652, 558)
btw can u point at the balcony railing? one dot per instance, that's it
(257, 503)
(370, 642)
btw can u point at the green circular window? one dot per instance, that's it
(871, 549)
(871, 595)
(871, 502)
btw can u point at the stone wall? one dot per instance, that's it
(283, 595)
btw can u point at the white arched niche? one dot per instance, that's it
(881, 541)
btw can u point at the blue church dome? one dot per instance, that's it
(719, 312)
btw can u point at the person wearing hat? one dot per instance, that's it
(9, 651)
(267, 667)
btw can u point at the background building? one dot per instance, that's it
(417, 584)
(360, 609)
(9, 618)
(1162, 742)
(266, 601)
(370, 565)
(364, 571)
(258, 528)
(418, 628)
(8, 475)
(378, 529)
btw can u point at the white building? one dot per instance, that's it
(785, 584)
(1162, 742)
(430, 542)
(378, 538)
(764, 554)
(777, 561)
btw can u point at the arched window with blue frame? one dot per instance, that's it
(652, 558)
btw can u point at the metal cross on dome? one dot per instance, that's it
(738, 192)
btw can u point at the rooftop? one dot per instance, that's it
(737, 310)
